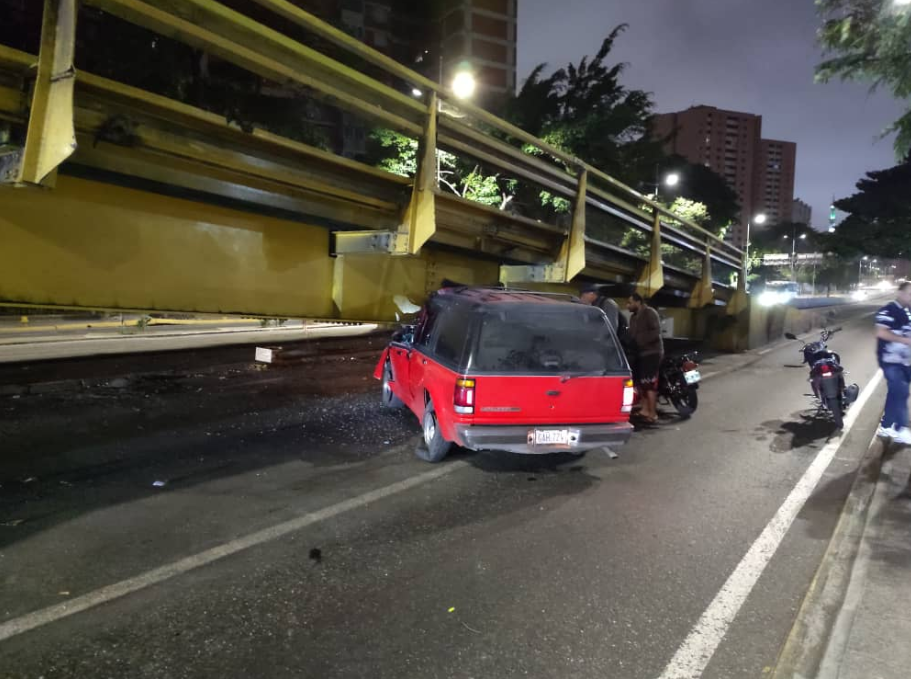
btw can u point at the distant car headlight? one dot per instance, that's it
(769, 298)
(884, 285)
(859, 295)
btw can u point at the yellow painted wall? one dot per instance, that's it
(90, 244)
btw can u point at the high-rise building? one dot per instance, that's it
(480, 35)
(760, 171)
(801, 213)
(775, 180)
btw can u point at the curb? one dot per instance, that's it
(805, 647)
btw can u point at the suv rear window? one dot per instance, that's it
(536, 339)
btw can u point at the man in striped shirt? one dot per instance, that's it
(893, 352)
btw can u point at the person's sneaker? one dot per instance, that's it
(886, 432)
(903, 436)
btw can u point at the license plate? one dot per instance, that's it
(550, 437)
(692, 376)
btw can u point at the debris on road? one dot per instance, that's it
(13, 523)
(30, 479)
(316, 554)
(470, 628)
(159, 484)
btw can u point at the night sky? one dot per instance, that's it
(746, 55)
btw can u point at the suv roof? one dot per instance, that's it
(504, 296)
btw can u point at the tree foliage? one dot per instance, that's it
(702, 185)
(879, 215)
(870, 41)
(584, 110)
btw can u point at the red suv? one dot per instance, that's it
(524, 372)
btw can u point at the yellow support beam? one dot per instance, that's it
(572, 254)
(740, 300)
(420, 217)
(51, 138)
(703, 292)
(651, 280)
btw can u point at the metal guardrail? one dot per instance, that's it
(456, 126)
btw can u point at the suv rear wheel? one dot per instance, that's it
(435, 447)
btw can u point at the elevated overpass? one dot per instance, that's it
(113, 197)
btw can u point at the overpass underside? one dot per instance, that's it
(114, 197)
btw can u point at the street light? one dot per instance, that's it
(759, 220)
(860, 269)
(673, 178)
(794, 238)
(464, 85)
(415, 92)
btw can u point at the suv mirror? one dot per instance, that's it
(404, 335)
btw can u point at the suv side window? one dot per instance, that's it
(451, 335)
(424, 332)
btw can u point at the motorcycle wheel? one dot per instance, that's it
(834, 406)
(685, 401)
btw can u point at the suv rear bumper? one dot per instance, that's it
(515, 439)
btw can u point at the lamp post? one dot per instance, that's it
(794, 238)
(671, 180)
(860, 269)
(759, 219)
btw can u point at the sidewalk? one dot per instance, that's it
(21, 350)
(870, 639)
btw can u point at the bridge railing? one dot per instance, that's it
(381, 94)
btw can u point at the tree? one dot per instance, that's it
(397, 153)
(879, 215)
(702, 185)
(583, 109)
(870, 40)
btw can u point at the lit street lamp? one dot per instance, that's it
(759, 220)
(794, 238)
(671, 180)
(860, 269)
(464, 85)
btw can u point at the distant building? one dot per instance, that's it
(801, 213)
(760, 171)
(775, 180)
(480, 35)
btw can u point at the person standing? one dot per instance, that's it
(893, 352)
(648, 350)
(590, 294)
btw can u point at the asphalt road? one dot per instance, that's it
(297, 535)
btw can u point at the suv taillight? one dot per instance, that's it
(464, 397)
(629, 395)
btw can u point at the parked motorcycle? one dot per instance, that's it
(827, 377)
(678, 383)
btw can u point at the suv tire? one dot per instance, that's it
(434, 447)
(389, 399)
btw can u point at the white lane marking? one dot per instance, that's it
(108, 593)
(691, 659)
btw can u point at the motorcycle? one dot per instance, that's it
(678, 383)
(827, 377)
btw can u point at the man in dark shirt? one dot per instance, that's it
(648, 350)
(893, 352)
(591, 294)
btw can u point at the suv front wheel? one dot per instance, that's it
(435, 447)
(390, 400)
